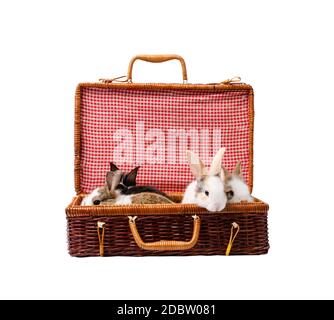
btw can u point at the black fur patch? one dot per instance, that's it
(113, 167)
(140, 189)
(129, 179)
(122, 188)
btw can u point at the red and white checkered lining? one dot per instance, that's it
(132, 127)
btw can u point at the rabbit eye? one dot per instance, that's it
(229, 194)
(206, 193)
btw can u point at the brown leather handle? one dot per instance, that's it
(157, 59)
(165, 245)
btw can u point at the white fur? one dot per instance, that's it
(240, 190)
(216, 200)
(88, 200)
(120, 199)
(189, 195)
(123, 199)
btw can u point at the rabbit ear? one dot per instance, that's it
(113, 167)
(113, 178)
(216, 164)
(197, 166)
(237, 169)
(224, 173)
(130, 179)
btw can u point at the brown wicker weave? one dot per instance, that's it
(166, 222)
(164, 229)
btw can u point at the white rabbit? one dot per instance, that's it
(207, 191)
(236, 188)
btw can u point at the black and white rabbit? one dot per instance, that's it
(121, 188)
(127, 184)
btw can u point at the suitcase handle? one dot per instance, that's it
(157, 59)
(165, 245)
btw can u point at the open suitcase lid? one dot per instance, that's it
(152, 125)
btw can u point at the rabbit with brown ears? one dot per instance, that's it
(236, 188)
(108, 191)
(208, 190)
(121, 188)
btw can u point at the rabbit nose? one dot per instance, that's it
(96, 202)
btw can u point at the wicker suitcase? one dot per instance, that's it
(151, 125)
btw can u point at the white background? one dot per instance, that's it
(283, 48)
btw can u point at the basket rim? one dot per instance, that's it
(74, 209)
(164, 86)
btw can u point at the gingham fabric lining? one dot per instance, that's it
(156, 116)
